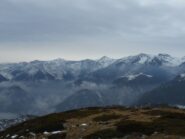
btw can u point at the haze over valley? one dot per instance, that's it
(41, 87)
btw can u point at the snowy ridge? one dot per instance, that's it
(106, 61)
(56, 68)
(160, 59)
(60, 68)
(170, 61)
(141, 58)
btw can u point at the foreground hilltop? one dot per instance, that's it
(103, 123)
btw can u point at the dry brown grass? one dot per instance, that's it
(108, 123)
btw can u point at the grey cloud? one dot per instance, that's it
(40, 19)
(126, 22)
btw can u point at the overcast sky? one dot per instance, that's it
(78, 29)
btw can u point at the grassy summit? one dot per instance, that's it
(104, 123)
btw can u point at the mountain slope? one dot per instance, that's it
(160, 66)
(124, 91)
(81, 99)
(2, 78)
(172, 93)
(14, 99)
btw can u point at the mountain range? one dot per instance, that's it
(41, 87)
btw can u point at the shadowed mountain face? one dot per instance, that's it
(81, 99)
(39, 75)
(14, 99)
(3, 79)
(58, 85)
(172, 93)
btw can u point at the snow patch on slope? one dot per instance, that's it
(134, 76)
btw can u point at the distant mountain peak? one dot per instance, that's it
(105, 61)
(141, 58)
(164, 55)
(58, 60)
(157, 60)
(168, 60)
(144, 55)
(103, 58)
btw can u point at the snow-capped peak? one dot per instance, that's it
(162, 55)
(58, 60)
(105, 58)
(160, 59)
(105, 61)
(137, 59)
(143, 58)
(144, 55)
(168, 60)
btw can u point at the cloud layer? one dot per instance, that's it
(107, 27)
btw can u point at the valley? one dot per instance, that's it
(43, 87)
